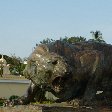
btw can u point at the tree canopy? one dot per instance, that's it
(73, 39)
(96, 37)
(16, 64)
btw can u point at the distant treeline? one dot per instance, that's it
(16, 64)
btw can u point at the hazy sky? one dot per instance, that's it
(23, 23)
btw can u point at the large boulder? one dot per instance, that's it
(68, 71)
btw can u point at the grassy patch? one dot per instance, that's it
(2, 100)
(43, 102)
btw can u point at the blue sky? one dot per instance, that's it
(23, 23)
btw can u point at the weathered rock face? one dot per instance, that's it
(80, 70)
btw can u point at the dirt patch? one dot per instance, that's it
(51, 108)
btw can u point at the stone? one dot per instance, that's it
(6, 70)
(71, 71)
(4, 67)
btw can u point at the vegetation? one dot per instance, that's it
(46, 41)
(74, 39)
(13, 97)
(43, 102)
(16, 64)
(66, 39)
(96, 37)
(2, 100)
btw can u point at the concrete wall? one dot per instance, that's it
(8, 89)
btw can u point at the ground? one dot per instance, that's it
(56, 107)
(38, 108)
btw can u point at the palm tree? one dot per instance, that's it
(97, 36)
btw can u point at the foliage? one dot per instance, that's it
(46, 41)
(16, 64)
(97, 37)
(74, 39)
(2, 100)
(66, 39)
(13, 97)
(43, 102)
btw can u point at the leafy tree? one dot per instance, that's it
(13, 97)
(73, 39)
(17, 66)
(46, 41)
(97, 37)
(64, 39)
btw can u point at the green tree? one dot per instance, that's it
(46, 41)
(72, 40)
(18, 65)
(97, 37)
